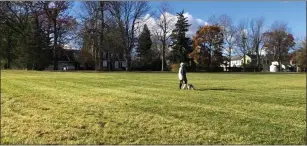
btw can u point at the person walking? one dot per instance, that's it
(182, 75)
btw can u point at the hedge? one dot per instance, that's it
(175, 67)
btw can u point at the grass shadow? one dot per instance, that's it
(216, 89)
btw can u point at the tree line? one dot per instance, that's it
(32, 34)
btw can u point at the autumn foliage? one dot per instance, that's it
(175, 67)
(207, 46)
(278, 43)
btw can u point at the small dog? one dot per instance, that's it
(188, 87)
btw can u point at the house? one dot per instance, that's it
(265, 63)
(292, 63)
(274, 67)
(113, 61)
(292, 60)
(68, 59)
(112, 57)
(237, 61)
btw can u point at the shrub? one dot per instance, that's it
(210, 69)
(154, 65)
(175, 67)
(157, 65)
(192, 67)
(2, 64)
(236, 69)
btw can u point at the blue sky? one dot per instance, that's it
(293, 13)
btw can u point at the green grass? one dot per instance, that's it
(148, 108)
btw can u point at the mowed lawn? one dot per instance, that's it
(148, 108)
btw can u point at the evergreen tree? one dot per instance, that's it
(144, 43)
(181, 44)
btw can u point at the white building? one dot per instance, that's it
(236, 61)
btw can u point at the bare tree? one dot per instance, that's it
(256, 27)
(156, 46)
(242, 40)
(15, 14)
(91, 27)
(163, 32)
(53, 11)
(94, 24)
(229, 32)
(102, 28)
(214, 20)
(278, 41)
(301, 55)
(127, 14)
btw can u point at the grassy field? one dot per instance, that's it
(148, 108)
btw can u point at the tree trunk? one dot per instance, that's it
(162, 64)
(96, 46)
(128, 60)
(229, 69)
(9, 48)
(101, 36)
(33, 66)
(279, 58)
(128, 63)
(244, 52)
(280, 65)
(244, 58)
(258, 61)
(109, 61)
(9, 61)
(55, 57)
(279, 62)
(209, 57)
(163, 54)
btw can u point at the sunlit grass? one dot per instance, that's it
(148, 108)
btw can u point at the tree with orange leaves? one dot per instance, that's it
(278, 41)
(207, 44)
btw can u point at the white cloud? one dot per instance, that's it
(152, 23)
(195, 24)
(245, 31)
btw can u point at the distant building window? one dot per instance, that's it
(120, 64)
(116, 64)
(105, 63)
(121, 56)
(123, 64)
(105, 55)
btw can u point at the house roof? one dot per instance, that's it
(252, 56)
(240, 57)
(236, 58)
(68, 55)
(292, 55)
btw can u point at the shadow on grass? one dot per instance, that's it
(217, 89)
